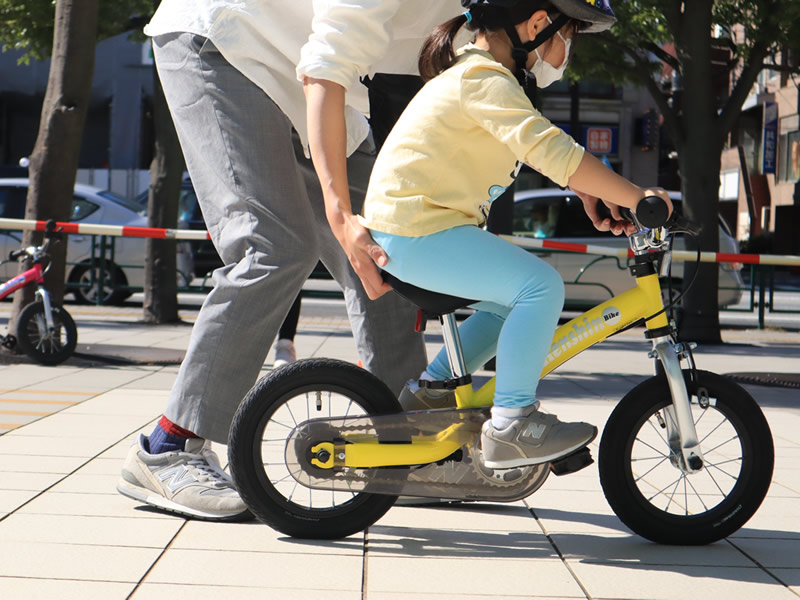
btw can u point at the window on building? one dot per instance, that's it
(789, 157)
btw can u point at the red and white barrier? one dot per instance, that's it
(109, 230)
(681, 255)
(524, 242)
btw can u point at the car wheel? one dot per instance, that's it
(88, 280)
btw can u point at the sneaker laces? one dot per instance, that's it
(205, 472)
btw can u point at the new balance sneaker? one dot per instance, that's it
(189, 482)
(414, 397)
(285, 353)
(534, 438)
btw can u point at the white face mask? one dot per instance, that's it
(545, 73)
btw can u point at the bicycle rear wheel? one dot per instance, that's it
(48, 347)
(262, 425)
(652, 496)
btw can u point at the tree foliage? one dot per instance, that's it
(709, 54)
(636, 49)
(27, 25)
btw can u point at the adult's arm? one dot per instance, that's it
(327, 137)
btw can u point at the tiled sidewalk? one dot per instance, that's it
(65, 532)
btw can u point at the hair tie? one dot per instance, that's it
(468, 14)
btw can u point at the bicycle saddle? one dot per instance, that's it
(430, 302)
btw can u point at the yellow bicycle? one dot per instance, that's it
(319, 449)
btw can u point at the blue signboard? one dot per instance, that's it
(597, 139)
(770, 138)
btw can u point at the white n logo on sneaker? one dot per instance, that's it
(179, 476)
(534, 430)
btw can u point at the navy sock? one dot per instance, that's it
(164, 440)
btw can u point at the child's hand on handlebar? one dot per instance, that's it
(615, 223)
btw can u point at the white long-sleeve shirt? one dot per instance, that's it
(275, 43)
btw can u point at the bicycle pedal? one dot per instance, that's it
(572, 462)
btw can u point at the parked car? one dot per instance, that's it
(201, 256)
(204, 256)
(89, 205)
(558, 215)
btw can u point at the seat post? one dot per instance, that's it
(452, 344)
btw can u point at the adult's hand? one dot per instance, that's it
(363, 253)
(616, 223)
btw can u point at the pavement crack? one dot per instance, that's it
(557, 550)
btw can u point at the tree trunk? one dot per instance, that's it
(699, 160)
(54, 161)
(160, 286)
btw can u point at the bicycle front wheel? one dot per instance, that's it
(639, 467)
(264, 422)
(46, 346)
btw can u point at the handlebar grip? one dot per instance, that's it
(15, 254)
(652, 212)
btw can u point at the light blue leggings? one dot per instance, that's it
(520, 298)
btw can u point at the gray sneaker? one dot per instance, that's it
(532, 439)
(189, 482)
(414, 397)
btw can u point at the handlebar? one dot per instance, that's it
(652, 212)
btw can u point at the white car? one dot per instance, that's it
(558, 215)
(89, 205)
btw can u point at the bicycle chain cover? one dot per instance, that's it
(459, 476)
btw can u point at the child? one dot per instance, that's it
(453, 152)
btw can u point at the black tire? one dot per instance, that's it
(266, 486)
(87, 292)
(45, 347)
(659, 502)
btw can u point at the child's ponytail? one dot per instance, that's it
(437, 53)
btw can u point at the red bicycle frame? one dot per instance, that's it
(32, 275)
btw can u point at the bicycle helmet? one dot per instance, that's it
(596, 13)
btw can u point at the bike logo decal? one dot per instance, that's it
(585, 330)
(611, 316)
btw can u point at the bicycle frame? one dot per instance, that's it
(572, 338)
(33, 275)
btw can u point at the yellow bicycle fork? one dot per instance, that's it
(572, 338)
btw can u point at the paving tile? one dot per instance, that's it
(790, 577)
(258, 569)
(86, 483)
(632, 549)
(165, 591)
(39, 464)
(132, 532)
(10, 500)
(433, 542)
(777, 517)
(772, 553)
(461, 516)
(533, 594)
(51, 446)
(63, 589)
(28, 481)
(452, 577)
(632, 581)
(75, 561)
(104, 505)
(257, 537)
(73, 424)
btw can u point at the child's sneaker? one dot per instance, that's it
(414, 397)
(533, 438)
(285, 353)
(188, 482)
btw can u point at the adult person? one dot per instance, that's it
(232, 72)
